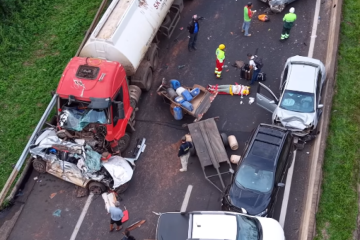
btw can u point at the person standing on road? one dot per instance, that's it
(193, 28)
(116, 216)
(248, 14)
(220, 57)
(288, 20)
(184, 153)
(128, 236)
(254, 67)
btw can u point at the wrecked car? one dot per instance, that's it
(277, 6)
(74, 157)
(299, 106)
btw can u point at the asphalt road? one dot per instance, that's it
(157, 184)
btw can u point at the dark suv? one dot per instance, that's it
(265, 160)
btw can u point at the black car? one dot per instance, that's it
(266, 158)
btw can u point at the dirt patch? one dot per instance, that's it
(324, 233)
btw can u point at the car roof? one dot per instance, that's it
(214, 226)
(302, 77)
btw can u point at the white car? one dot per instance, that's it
(217, 225)
(299, 106)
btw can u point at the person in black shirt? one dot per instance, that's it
(193, 28)
(184, 153)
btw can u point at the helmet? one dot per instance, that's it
(221, 46)
(292, 10)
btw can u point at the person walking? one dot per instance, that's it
(128, 236)
(116, 216)
(248, 14)
(288, 20)
(193, 28)
(254, 67)
(184, 153)
(220, 57)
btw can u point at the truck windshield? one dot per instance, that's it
(248, 228)
(76, 119)
(255, 178)
(298, 101)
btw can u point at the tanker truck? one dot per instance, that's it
(98, 95)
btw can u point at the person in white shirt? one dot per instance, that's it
(254, 68)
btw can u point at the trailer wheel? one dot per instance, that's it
(166, 22)
(39, 165)
(148, 79)
(224, 139)
(124, 142)
(97, 188)
(153, 56)
(122, 188)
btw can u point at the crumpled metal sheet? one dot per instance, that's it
(295, 120)
(119, 169)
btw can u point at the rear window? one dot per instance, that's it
(264, 150)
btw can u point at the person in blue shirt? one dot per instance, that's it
(116, 216)
(184, 153)
(193, 28)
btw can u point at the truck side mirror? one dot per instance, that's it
(118, 111)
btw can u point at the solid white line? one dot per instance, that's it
(82, 216)
(287, 192)
(314, 29)
(186, 199)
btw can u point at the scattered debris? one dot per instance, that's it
(53, 195)
(135, 225)
(188, 36)
(251, 100)
(20, 193)
(227, 70)
(181, 66)
(57, 213)
(181, 28)
(35, 178)
(307, 152)
(231, 33)
(240, 102)
(225, 66)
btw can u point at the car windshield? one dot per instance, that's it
(298, 101)
(255, 178)
(247, 228)
(76, 119)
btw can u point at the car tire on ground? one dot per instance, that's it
(124, 142)
(97, 188)
(122, 188)
(39, 165)
(224, 139)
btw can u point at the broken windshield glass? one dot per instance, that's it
(77, 119)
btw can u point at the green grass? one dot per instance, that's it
(36, 42)
(338, 207)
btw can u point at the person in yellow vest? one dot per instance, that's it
(288, 20)
(220, 58)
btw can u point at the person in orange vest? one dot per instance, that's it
(220, 58)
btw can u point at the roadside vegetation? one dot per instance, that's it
(338, 209)
(37, 39)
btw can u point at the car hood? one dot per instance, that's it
(271, 229)
(253, 202)
(294, 121)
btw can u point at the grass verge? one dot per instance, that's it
(36, 42)
(338, 207)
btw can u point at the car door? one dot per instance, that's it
(268, 102)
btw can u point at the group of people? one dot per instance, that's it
(194, 27)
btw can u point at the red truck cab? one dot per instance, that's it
(99, 85)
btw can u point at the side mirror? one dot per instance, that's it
(118, 111)
(320, 106)
(281, 184)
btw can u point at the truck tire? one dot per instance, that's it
(148, 79)
(96, 188)
(167, 21)
(153, 56)
(143, 77)
(39, 165)
(124, 142)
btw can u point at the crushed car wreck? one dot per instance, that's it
(74, 160)
(277, 6)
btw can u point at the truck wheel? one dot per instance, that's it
(148, 79)
(39, 165)
(224, 139)
(153, 56)
(97, 188)
(122, 188)
(124, 142)
(166, 22)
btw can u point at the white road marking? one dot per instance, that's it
(186, 199)
(82, 216)
(287, 192)
(314, 29)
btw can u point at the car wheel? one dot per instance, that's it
(122, 188)
(124, 142)
(97, 188)
(39, 165)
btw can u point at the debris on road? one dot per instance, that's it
(53, 195)
(57, 213)
(240, 102)
(227, 70)
(181, 28)
(135, 225)
(35, 178)
(181, 66)
(231, 33)
(251, 100)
